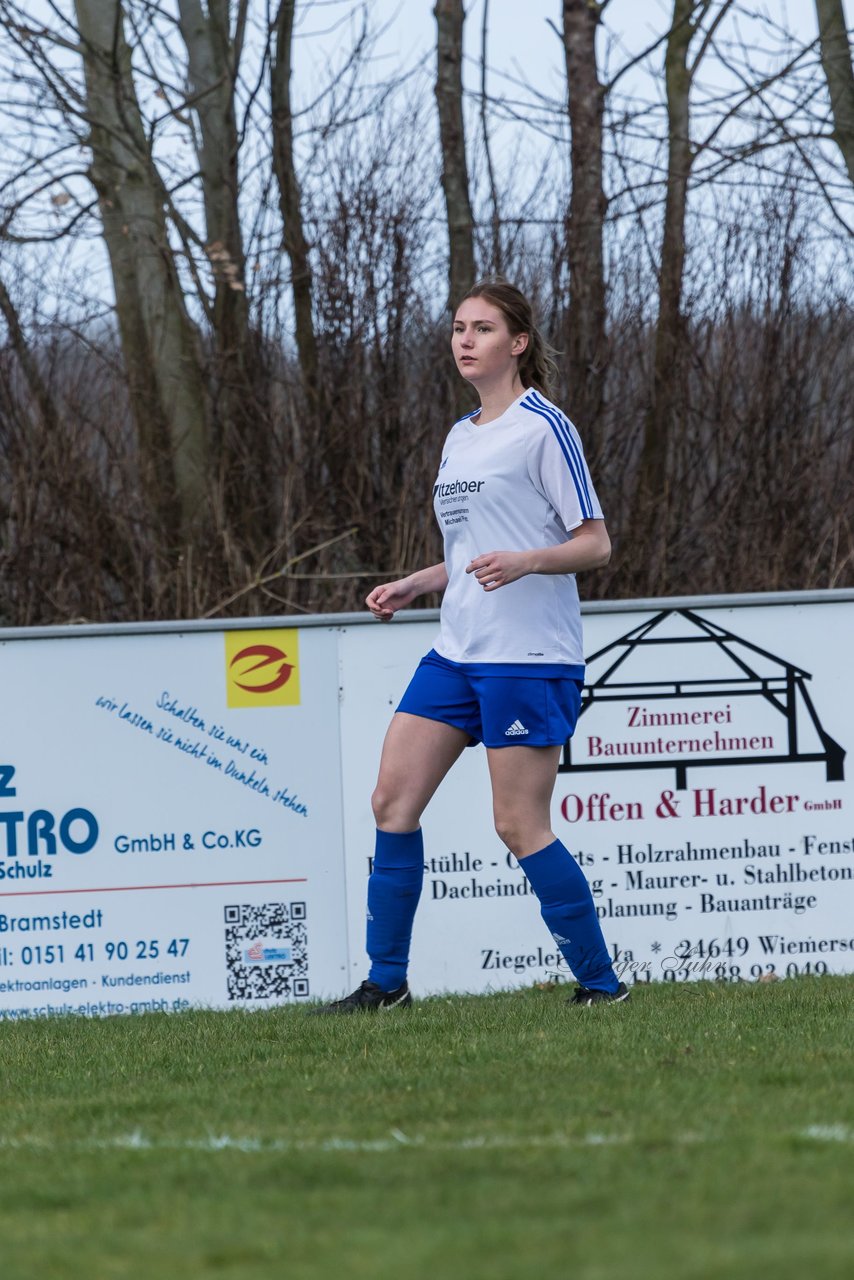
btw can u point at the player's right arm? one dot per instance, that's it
(385, 601)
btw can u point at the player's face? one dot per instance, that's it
(485, 350)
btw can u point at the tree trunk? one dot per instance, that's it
(836, 60)
(496, 263)
(213, 63)
(290, 201)
(213, 57)
(160, 343)
(455, 184)
(32, 374)
(664, 402)
(586, 338)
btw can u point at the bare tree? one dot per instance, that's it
(38, 388)
(160, 342)
(586, 338)
(496, 252)
(213, 59)
(450, 17)
(666, 392)
(290, 199)
(836, 61)
(214, 47)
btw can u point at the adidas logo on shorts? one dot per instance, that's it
(516, 730)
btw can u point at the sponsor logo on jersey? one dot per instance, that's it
(453, 487)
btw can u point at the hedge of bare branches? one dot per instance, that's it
(318, 453)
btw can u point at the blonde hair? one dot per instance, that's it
(537, 365)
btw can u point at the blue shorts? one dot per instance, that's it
(497, 710)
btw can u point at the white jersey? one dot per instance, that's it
(517, 483)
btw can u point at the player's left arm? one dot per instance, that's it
(588, 547)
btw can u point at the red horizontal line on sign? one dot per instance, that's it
(133, 888)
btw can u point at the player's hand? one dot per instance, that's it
(496, 568)
(385, 601)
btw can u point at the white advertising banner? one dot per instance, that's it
(705, 795)
(185, 813)
(705, 789)
(170, 817)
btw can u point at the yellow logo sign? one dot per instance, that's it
(262, 668)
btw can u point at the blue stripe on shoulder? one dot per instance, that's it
(572, 443)
(568, 449)
(541, 413)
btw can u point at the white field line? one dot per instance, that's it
(828, 1133)
(137, 1141)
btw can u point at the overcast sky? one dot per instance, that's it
(519, 33)
(523, 50)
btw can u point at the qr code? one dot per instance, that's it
(266, 951)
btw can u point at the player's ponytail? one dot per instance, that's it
(537, 365)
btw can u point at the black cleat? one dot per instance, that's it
(369, 998)
(586, 996)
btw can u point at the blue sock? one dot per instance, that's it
(566, 905)
(393, 892)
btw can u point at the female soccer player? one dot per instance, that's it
(519, 516)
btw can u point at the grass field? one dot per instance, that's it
(701, 1131)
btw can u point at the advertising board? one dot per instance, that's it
(705, 793)
(185, 808)
(169, 821)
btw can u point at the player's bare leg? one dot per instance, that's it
(523, 780)
(417, 754)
